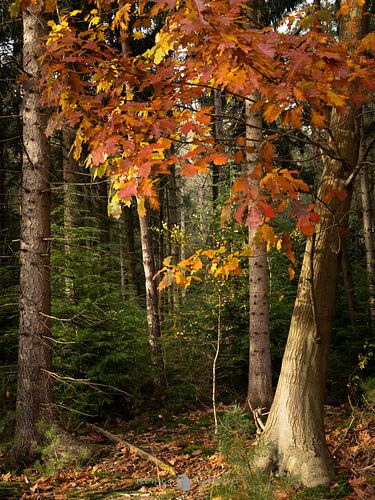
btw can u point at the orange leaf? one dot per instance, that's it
(291, 272)
(226, 215)
(268, 152)
(219, 158)
(318, 119)
(240, 185)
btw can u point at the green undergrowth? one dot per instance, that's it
(236, 440)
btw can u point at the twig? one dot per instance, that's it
(257, 413)
(143, 454)
(215, 362)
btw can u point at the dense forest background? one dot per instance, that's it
(103, 368)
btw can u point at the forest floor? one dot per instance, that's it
(187, 444)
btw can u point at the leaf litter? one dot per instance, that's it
(187, 443)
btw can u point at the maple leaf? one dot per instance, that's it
(267, 209)
(318, 118)
(187, 127)
(240, 185)
(128, 189)
(291, 272)
(226, 214)
(268, 151)
(272, 112)
(336, 99)
(219, 158)
(167, 280)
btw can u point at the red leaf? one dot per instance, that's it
(187, 127)
(268, 210)
(239, 213)
(128, 189)
(253, 219)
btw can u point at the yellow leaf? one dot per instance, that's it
(94, 21)
(180, 279)
(138, 35)
(336, 99)
(291, 272)
(279, 244)
(141, 207)
(167, 260)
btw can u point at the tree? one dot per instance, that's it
(71, 202)
(152, 306)
(34, 389)
(368, 224)
(294, 437)
(143, 105)
(259, 391)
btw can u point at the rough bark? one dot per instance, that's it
(34, 390)
(2, 198)
(294, 438)
(127, 249)
(294, 435)
(349, 285)
(152, 307)
(259, 393)
(71, 202)
(217, 174)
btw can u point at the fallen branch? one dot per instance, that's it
(257, 414)
(143, 454)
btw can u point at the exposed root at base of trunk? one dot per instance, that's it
(50, 445)
(306, 466)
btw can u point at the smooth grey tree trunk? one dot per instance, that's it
(152, 308)
(368, 235)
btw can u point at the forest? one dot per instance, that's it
(187, 272)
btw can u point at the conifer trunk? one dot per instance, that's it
(71, 203)
(259, 393)
(34, 390)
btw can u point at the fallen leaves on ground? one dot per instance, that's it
(187, 443)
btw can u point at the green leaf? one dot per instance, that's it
(14, 9)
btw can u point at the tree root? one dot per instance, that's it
(309, 468)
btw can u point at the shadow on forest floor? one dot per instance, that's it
(187, 444)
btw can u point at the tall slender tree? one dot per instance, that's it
(259, 392)
(34, 390)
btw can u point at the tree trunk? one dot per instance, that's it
(349, 285)
(34, 390)
(174, 231)
(217, 174)
(294, 434)
(259, 393)
(71, 204)
(152, 308)
(368, 228)
(3, 203)
(294, 440)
